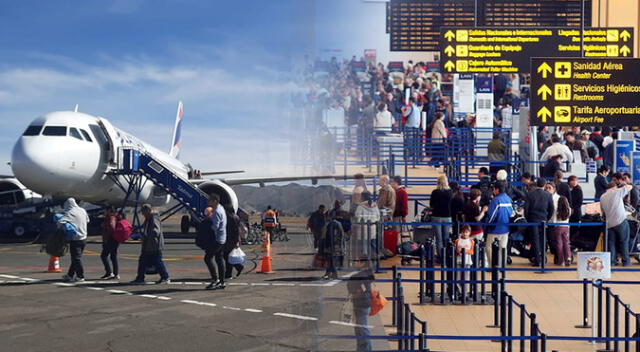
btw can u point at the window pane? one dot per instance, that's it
(74, 133)
(55, 131)
(32, 131)
(86, 135)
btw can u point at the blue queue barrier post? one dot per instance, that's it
(442, 275)
(483, 274)
(422, 342)
(599, 286)
(503, 320)
(616, 321)
(394, 311)
(533, 332)
(421, 292)
(585, 306)
(637, 334)
(473, 290)
(523, 326)
(412, 330)
(627, 327)
(543, 249)
(607, 324)
(510, 323)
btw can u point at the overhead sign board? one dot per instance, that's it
(510, 49)
(585, 92)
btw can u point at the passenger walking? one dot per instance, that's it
(500, 212)
(366, 213)
(359, 287)
(316, 223)
(334, 247)
(232, 242)
(386, 198)
(152, 246)
(109, 244)
(538, 207)
(474, 213)
(612, 204)
(218, 217)
(440, 203)
(78, 218)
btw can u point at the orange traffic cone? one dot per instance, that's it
(266, 265)
(54, 265)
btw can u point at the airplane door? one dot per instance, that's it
(110, 137)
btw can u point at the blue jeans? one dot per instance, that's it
(619, 241)
(362, 330)
(148, 259)
(441, 232)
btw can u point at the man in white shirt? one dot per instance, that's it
(612, 205)
(556, 148)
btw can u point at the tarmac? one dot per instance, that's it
(292, 309)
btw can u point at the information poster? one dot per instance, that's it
(594, 265)
(623, 161)
(463, 91)
(636, 169)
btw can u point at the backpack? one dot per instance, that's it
(123, 230)
(57, 244)
(205, 235)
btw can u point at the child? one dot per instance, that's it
(464, 251)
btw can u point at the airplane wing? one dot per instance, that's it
(263, 180)
(212, 173)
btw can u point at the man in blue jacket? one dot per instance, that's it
(499, 213)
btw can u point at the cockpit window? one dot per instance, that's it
(86, 135)
(74, 133)
(33, 130)
(55, 131)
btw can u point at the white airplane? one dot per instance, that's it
(68, 154)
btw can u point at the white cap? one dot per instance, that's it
(501, 175)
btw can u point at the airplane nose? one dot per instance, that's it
(34, 164)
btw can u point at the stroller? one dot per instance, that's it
(407, 250)
(518, 244)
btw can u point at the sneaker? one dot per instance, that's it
(222, 286)
(79, 279)
(115, 277)
(107, 276)
(67, 278)
(213, 285)
(137, 282)
(163, 281)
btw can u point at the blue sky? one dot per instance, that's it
(131, 61)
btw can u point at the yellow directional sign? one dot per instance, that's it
(562, 114)
(625, 51)
(510, 49)
(449, 35)
(562, 69)
(544, 69)
(545, 91)
(449, 66)
(544, 114)
(449, 50)
(561, 92)
(625, 35)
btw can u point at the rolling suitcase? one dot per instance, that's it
(391, 240)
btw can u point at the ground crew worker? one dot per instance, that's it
(270, 222)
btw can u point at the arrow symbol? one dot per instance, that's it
(449, 35)
(625, 35)
(544, 114)
(545, 69)
(449, 66)
(624, 50)
(544, 91)
(449, 50)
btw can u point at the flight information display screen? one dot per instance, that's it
(414, 25)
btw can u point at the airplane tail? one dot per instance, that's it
(176, 141)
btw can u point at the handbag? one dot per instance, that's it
(378, 302)
(236, 256)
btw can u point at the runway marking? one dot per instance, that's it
(295, 316)
(164, 298)
(332, 283)
(64, 284)
(120, 292)
(282, 284)
(350, 324)
(260, 284)
(148, 296)
(231, 308)
(94, 288)
(30, 279)
(188, 301)
(313, 285)
(10, 276)
(251, 310)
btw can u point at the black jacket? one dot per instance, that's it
(600, 183)
(538, 206)
(485, 187)
(576, 203)
(440, 202)
(152, 238)
(233, 231)
(563, 189)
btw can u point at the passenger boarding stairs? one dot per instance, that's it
(134, 163)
